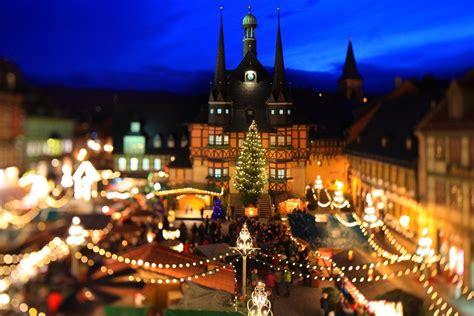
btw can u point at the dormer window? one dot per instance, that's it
(157, 142)
(250, 76)
(135, 127)
(11, 80)
(183, 141)
(170, 142)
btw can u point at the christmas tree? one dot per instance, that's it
(217, 210)
(250, 176)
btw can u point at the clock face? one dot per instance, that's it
(250, 76)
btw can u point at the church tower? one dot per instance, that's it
(249, 24)
(279, 102)
(219, 107)
(351, 82)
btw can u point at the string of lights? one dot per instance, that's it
(25, 308)
(438, 305)
(29, 266)
(90, 262)
(141, 263)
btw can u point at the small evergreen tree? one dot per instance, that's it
(217, 210)
(251, 176)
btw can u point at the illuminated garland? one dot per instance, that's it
(27, 267)
(107, 254)
(438, 305)
(7, 217)
(90, 262)
(25, 308)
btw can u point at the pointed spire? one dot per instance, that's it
(279, 80)
(349, 70)
(220, 74)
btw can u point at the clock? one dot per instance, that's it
(250, 76)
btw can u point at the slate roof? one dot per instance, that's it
(395, 120)
(156, 119)
(439, 118)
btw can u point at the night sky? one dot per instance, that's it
(171, 45)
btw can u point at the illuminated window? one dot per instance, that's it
(54, 147)
(272, 112)
(170, 142)
(157, 142)
(134, 164)
(282, 111)
(219, 111)
(217, 173)
(225, 172)
(272, 140)
(211, 172)
(455, 197)
(157, 164)
(289, 111)
(281, 140)
(146, 164)
(288, 140)
(122, 163)
(281, 173)
(226, 139)
(439, 148)
(211, 111)
(227, 111)
(272, 173)
(218, 140)
(135, 127)
(67, 145)
(211, 139)
(134, 144)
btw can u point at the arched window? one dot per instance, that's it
(157, 142)
(170, 142)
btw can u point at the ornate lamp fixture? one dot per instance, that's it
(244, 246)
(259, 305)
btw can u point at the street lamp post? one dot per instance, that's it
(259, 305)
(75, 240)
(244, 246)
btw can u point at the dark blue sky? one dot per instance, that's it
(171, 44)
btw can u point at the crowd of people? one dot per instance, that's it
(272, 237)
